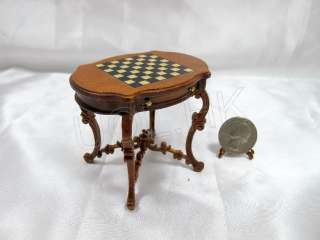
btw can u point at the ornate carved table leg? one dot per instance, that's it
(140, 156)
(128, 150)
(89, 118)
(142, 142)
(198, 121)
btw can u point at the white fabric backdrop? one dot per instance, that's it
(265, 55)
(59, 35)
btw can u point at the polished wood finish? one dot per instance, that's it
(92, 81)
(89, 118)
(102, 93)
(98, 92)
(198, 122)
(128, 151)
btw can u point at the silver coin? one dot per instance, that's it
(237, 135)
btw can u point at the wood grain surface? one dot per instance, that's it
(91, 80)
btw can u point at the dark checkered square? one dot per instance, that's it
(143, 69)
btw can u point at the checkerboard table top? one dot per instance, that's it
(143, 69)
(131, 74)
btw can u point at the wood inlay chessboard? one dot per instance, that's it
(143, 69)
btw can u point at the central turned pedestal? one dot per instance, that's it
(127, 84)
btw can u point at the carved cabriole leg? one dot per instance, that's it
(198, 121)
(128, 150)
(89, 118)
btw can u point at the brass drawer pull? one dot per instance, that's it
(148, 103)
(192, 89)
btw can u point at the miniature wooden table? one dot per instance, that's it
(127, 84)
